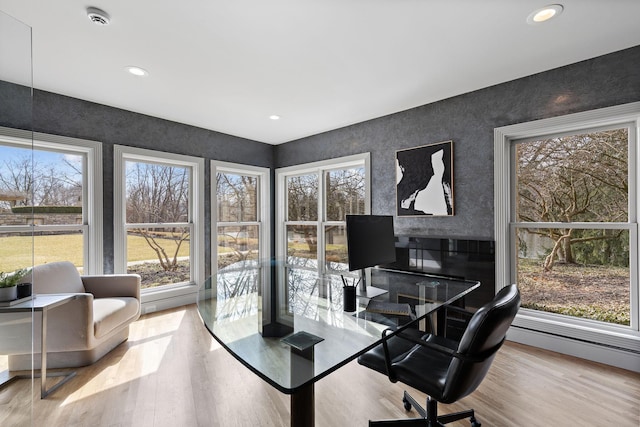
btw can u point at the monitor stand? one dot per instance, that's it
(368, 291)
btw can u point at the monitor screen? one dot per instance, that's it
(370, 241)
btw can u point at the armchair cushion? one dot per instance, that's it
(110, 313)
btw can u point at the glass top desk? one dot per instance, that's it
(294, 332)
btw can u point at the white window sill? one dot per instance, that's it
(598, 333)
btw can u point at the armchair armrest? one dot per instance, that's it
(113, 285)
(70, 325)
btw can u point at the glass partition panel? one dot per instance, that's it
(15, 111)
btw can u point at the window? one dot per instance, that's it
(159, 211)
(241, 206)
(241, 216)
(311, 231)
(571, 224)
(50, 200)
(566, 206)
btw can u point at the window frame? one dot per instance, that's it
(92, 189)
(558, 326)
(319, 168)
(195, 222)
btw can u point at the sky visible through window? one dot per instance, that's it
(43, 176)
(41, 157)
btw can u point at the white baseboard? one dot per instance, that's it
(168, 298)
(597, 353)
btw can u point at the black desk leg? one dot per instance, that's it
(303, 407)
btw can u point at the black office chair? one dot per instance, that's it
(445, 370)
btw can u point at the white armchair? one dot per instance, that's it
(83, 330)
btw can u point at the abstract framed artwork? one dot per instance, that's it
(424, 180)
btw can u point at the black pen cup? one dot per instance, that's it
(24, 290)
(349, 298)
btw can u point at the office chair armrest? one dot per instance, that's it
(395, 347)
(436, 347)
(387, 356)
(453, 353)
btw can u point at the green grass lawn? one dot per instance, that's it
(16, 251)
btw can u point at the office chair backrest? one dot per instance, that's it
(481, 340)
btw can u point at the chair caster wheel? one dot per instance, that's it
(474, 422)
(407, 404)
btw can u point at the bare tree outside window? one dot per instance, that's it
(581, 178)
(343, 193)
(47, 179)
(43, 188)
(237, 197)
(238, 231)
(302, 198)
(157, 204)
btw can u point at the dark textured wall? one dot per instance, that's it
(469, 121)
(16, 106)
(61, 115)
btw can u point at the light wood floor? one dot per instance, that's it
(172, 373)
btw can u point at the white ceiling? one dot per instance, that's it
(227, 65)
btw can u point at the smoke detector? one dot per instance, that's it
(98, 16)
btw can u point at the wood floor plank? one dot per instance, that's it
(172, 373)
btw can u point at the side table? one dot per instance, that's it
(41, 303)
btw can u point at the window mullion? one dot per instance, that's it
(322, 217)
(157, 224)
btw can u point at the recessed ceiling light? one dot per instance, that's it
(137, 71)
(274, 117)
(545, 13)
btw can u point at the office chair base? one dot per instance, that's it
(429, 416)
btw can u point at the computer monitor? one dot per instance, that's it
(370, 242)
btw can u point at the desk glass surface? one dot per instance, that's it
(232, 309)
